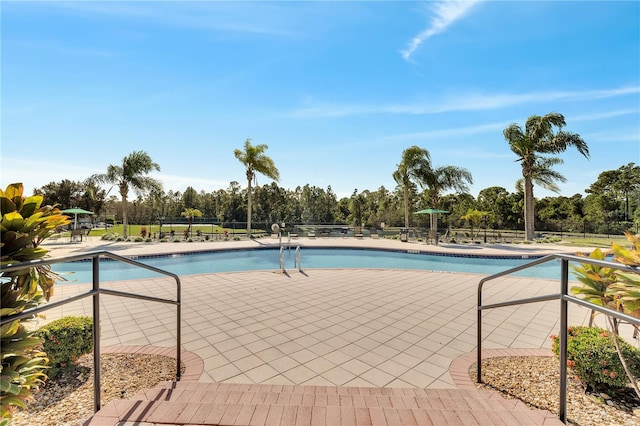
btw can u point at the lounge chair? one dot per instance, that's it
(76, 234)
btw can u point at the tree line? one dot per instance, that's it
(612, 202)
(610, 206)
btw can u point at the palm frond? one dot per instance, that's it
(544, 175)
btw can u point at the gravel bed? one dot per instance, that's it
(536, 382)
(68, 400)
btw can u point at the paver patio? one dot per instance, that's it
(363, 328)
(346, 327)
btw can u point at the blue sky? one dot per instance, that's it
(337, 90)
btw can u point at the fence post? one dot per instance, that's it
(564, 284)
(96, 333)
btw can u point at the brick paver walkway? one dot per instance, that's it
(192, 403)
(237, 404)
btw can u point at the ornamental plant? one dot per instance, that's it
(24, 225)
(614, 289)
(596, 281)
(65, 340)
(592, 354)
(610, 287)
(626, 290)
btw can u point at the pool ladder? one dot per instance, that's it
(297, 260)
(288, 239)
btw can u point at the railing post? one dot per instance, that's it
(479, 337)
(298, 259)
(564, 314)
(179, 331)
(96, 333)
(281, 259)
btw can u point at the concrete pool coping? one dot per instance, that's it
(62, 248)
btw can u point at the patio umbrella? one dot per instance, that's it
(75, 212)
(433, 226)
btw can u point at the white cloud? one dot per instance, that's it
(462, 102)
(445, 13)
(262, 18)
(180, 183)
(606, 114)
(445, 133)
(621, 136)
(35, 173)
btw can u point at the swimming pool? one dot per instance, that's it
(332, 258)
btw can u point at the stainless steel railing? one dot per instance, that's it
(564, 298)
(95, 293)
(297, 259)
(282, 260)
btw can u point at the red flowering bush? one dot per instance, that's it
(591, 353)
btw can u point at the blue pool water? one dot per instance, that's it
(268, 259)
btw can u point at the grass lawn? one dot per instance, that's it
(135, 230)
(602, 242)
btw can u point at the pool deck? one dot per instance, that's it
(360, 328)
(63, 247)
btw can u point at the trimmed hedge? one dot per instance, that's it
(65, 340)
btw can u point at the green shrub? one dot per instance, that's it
(110, 236)
(138, 239)
(65, 340)
(591, 353)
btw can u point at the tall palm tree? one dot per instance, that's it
(537, 138)
(414, 165)
(255, 161)
(130, 174)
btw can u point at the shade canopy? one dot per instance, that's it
(433, 225)
(431, 211)
(76, 210)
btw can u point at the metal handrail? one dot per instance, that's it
(297, 259)
(564, 298)
(95, 292)
(282, 259)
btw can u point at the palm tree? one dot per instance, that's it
(190, 213)
(442, 179)
(414, 165)
(255, 160)
(475, 217)
(130, 174)
(538, 138)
